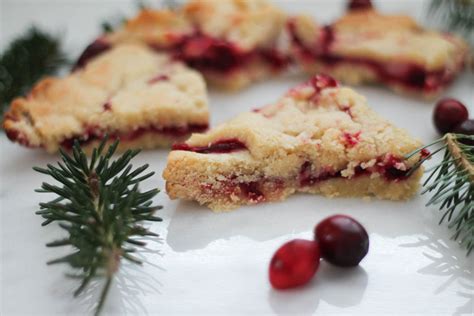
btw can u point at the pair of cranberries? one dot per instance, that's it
(451, 116)
(339, 239)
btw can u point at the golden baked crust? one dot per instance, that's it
(161, 28)
(384, 37)
(248, 23)
(318, 138)
(249, 28)
(350, 47)
(129, 88)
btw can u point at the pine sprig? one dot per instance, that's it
(457, 15)
(28, 58)
(101, 209)
(451, 184)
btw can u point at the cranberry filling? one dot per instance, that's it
(307, 178)
(94, 49)
(212, 54)
(201, 52)
(407, 74)
(251, 191)
(275, 58)
(220, 147)
(262, 190)
(93, 133)
(255, 191)
(206, 53)
(16, 136)
(390, 171)
(387, 166)
(322, 81)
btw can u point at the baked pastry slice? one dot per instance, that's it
(130, 92)
(231, 42)
(318, 138)
(366, 46)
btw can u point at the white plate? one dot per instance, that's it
(208, 263)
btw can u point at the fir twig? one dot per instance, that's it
(456, 15)
(101, 208)
(451, 184)
(28, 58)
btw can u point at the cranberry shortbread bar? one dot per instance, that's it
(365, 46)
(130, 92)
(318, 138)
(231, 42)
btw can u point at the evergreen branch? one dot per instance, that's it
(28, 58)
(451, 184)
(456, 15)
(101, 209)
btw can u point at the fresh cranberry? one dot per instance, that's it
(448, 114)
(294, 264)
(359, 4)
(466, 128)
(343, 241)
(94, 49)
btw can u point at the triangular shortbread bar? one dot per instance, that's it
(231, 42)
(318, 138)
(130, 92)
(367, 46)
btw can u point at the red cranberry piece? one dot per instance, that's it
(207, 53)
(294, 264)
(448, 114)
(158, 78)
(94, 49)
(359, 5)
(343, 241)
(323, 81)
(466, 128)
(409, 74)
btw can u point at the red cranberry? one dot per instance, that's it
(359, 4)
(465, 128)
(294, 264)
(448, 114)
(343, 241)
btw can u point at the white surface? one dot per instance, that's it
(208, 263)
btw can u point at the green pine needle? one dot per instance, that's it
(101, 209)
(457, 15)
(28, 58)
(451, 184)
